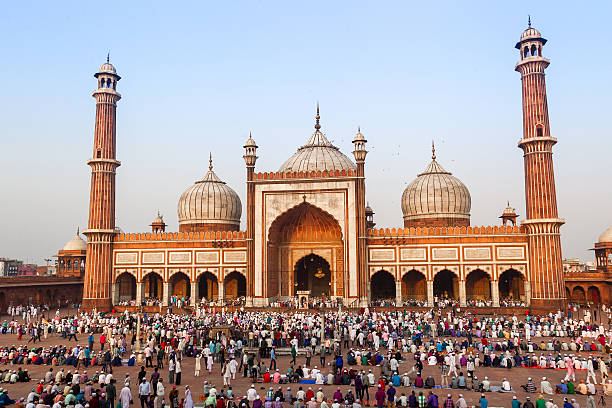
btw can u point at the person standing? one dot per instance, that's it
(198, 364)
(111, 393)
(171, 366)
(380, 397)
(177, 370)
(159, 395)
(188, 400)
(144, 390)
(483, 401)
(125, 396)
(273, 357)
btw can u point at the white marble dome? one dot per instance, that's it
(606, 236)
(209, 201)
(76, 243)
(318, 154)
(436, 193)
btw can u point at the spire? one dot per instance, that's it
(317, 125)
(433, 151)
(108, 57)
(78, 231)
(528, 21)
(210, 166)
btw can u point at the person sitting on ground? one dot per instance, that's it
(506, 385)
(561, 388)
(529, 387)
(545, 387)
(486, 384)
(582, 388)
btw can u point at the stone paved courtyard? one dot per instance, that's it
(516, 376)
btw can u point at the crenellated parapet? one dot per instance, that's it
(318, 174)
(182, 236)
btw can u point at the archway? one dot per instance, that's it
(512, 285)
(414, 285)
(578, 295)
(127, 286)
(235, 285)
(208, 286)
(478, 285)
(304, 229)
(153, 286)
(382, 286)
(3, 304)
(312, 273)
(180, 286)
(594, 296)
(446, 285)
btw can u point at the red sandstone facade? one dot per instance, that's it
(306, 228)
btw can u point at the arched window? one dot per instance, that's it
(534, 50)
(539, 131)
(99, 153)
(526, 52)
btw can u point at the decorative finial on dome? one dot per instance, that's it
(528, 21)
(317, 125)
(210, 166)
(433, 151)
(358, 129)
(78, 231)
(108, 57)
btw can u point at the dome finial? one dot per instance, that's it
(317, 125)
(433, 151)
(78, 231)
(528, 21)
(108, 57)
(210, 166)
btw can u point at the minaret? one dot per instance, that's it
(101, 227)
(360, 152)
(542, 223)
(250, 157)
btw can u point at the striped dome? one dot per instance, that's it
(318, 154)
(209, 201)
(436, 193)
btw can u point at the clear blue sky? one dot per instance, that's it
(198, 77)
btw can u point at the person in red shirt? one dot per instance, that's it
(102, 341)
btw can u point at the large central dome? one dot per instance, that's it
(317, 154)
(436, 199)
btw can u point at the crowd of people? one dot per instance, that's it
(351, 359)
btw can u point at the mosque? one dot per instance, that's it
(309, 231)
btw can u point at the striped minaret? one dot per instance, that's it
(542, 223)
(101, 227)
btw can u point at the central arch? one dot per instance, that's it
(303, 231)
(312, 273)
